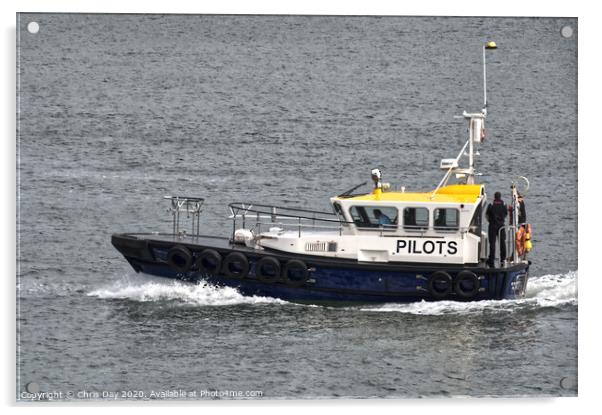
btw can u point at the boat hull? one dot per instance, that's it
(330, 280)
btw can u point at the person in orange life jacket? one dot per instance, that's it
(496, 215)
(522, 212)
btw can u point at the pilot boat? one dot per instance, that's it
(384, 245)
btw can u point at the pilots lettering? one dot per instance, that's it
(427, 247)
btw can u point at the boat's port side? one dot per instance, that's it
(314, 279)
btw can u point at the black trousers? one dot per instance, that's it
(493, 233)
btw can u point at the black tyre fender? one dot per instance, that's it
(235, 258)
(209, 262)
(179, 258)
(436, 279)
(262, 269)
(459, 281)
(298, 266)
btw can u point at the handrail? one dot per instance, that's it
(509, 239)
(252, 207)
(185, 198)
(258, 211)
(188, 204)
(273, 211)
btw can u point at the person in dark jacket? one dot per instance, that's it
(496, 215)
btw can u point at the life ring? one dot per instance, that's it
(209, 262)
(236, 265)
(463, 279)
(440, 284)
(267, 269)
(295, 273)
(179, 258)
(519, 239)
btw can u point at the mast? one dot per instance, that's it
(485, 76)
(476, 134)
(476, 122)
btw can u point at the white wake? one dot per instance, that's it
(546, 291)
(147, 288)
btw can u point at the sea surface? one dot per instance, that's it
(116, 111)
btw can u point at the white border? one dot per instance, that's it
(351, 7)
(589, 151)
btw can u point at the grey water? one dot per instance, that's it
(116, 111)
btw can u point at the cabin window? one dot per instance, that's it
(374, 216)
(477, 220)
(415, 218)
(446, 219)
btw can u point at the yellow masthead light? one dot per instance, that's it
(490, 45)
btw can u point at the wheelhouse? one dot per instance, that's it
(453, 209)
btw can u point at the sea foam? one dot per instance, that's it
(147, 288)
(553, 290)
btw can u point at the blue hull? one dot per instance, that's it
(330, 285)
(328, 280)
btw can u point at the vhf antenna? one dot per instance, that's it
(487, 45)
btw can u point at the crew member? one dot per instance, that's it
(382, 218)
(496, 215)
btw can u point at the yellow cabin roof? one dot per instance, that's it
(456, 193)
